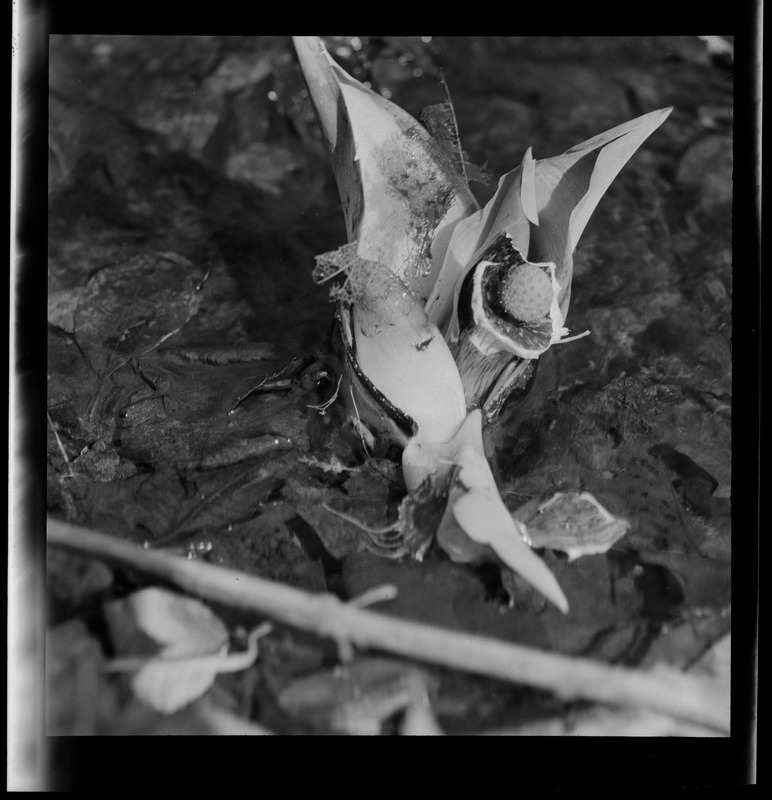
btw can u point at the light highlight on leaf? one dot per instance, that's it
(401, 197)
(194, 647)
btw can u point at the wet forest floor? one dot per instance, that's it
(189, 192)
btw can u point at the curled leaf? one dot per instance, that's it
(569, 187)
(503, 214)
(544, 206)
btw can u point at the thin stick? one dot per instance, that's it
(61, 446)
(699, 700)
(455, 126)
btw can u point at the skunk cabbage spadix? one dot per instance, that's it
(444, 304)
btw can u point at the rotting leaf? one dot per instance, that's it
(130, 309)
(77, 695)
(143, 503)
(695, 484)
(679, 643)
(440, 120)
(421, 511)
(575, 523)
(222, 497)
(61, 308)
(313, 500)
(74, 580)
(360, 697)
(705, 583)
(101, 463)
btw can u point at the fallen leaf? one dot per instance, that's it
(717, 661)
(74, 579)
(167, 687)
(599, 721)
(77, 694)
(130, 309)
(360, 697)
(61, 308)
(575, 523)
(692, 637)
(704, 582)
(183, 627)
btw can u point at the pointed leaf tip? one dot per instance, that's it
(616, 147)
(323, 88)
(485, 520)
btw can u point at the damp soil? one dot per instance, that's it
(189, 193)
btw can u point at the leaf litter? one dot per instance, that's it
(165, 414)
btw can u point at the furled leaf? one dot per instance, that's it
(503, 213)
(555, 195)
(569, 187)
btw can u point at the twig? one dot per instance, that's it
(455, 126)
(61, 446)
(217, 662)
(697, 699)
(601, 721)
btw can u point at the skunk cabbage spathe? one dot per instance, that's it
(443, 303)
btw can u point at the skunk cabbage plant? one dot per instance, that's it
(441, 304)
